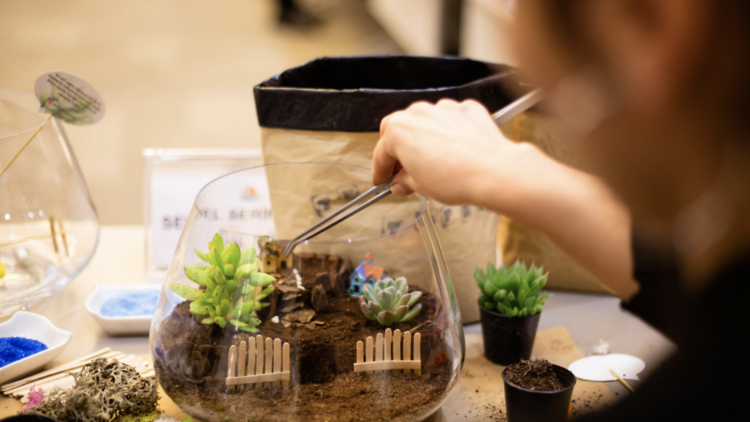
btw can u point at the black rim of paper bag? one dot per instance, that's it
(353, 94)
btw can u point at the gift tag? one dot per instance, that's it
(596, 368)
(68, 98)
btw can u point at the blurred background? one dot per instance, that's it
(180, 73)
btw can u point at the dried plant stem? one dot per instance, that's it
(25, 144)
(52, 230)
(63, 236)
(26, 239)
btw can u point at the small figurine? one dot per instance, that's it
(271, 258)
(365, 273)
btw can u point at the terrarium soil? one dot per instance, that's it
(191, 362)
(537, 375)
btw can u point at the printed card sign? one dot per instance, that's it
(174, 178)
(68, 98)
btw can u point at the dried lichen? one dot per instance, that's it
(103, 390)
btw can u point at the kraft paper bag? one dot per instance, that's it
(519, 242)
(329, 110)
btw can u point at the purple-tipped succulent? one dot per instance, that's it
(389, 301)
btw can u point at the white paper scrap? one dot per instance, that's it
(596, 368)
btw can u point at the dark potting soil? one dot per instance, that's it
(537, 375)
(191, 362)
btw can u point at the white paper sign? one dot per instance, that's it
(173, 179)
(596, 368)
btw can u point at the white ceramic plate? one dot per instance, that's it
(119, 326)
(35, 327)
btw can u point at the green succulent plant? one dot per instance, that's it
(233, 288)
(389, 301)
(512, 291)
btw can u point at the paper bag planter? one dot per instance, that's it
(329, 110)
(231, 341)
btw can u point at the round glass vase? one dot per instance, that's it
(308, 351)
(48, 225)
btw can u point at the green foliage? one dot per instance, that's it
(512, 291)
(389, 301)
(232, 287)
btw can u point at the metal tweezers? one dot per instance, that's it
(371, 196)
(382, 190)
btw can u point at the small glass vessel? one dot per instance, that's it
(48, 225)
(242, 332)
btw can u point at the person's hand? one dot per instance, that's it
(441, 150)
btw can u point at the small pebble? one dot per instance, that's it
(131, 304)
(16, 348)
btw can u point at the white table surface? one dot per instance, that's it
(120, 259)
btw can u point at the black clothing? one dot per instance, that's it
(708, 377)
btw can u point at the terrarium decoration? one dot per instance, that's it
(242, 332)
(366, 273)
(272, 258)
(230, 272)
(388, 353)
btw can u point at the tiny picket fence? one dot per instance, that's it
(259, 363)
(388, 353)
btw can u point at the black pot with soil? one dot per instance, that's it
(537, 392)
(508, 340)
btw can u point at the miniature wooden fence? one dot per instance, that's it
(246, 364)
(384, 359)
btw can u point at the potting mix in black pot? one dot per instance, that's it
(537, 391)
(510, 306)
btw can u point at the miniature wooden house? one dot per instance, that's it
(272, 257)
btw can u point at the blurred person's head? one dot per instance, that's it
(668, 87)
(675, 72)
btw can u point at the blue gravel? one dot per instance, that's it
(16, 348)
(131, 304)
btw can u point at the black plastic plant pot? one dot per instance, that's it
(523, 405)
(508, 340)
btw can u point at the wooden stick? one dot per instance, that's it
(25, 144)
(26, 239)
(407, 349)
(52, 230)
(286, 367)
(259, 358)
(232, 365)
(277, 359)
(418, 353)
(63, 236)
(397, 345)
(269, 360)
(72, 371)
(55, 370)
(251, 352)
(619, 378)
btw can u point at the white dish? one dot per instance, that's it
(119, 326)
(596, 368)
(35, 327)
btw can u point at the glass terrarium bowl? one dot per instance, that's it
(48, 226)
(290, 340)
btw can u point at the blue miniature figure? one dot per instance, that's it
(365, 273)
